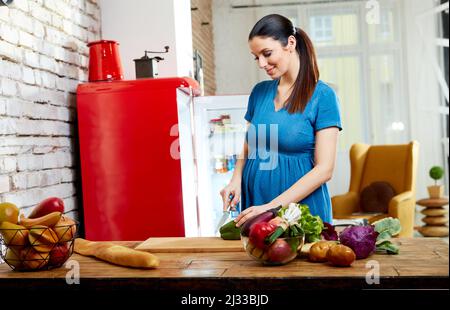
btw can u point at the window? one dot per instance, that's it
(343, 74)
(321, 28)
(362, 62)
(338, 28)
(389, 122)
(385, 31)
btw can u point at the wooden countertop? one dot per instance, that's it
(422, 263)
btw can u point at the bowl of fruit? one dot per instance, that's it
(43, 240)
(276, 237)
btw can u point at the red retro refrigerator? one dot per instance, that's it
(138, 172)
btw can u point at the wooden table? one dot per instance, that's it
(422, 263)
(435, 217)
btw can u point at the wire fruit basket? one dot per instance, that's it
(39, 247)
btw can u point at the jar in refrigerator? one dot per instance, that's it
(226, 119)
(220, 164)
(216, 125)
(224, 164)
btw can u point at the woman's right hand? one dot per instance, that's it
(233, 189)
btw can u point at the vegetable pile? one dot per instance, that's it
(365, 240)
(289, 221)
(271, 237)
(266, 232)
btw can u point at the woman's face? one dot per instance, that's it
(272, 56)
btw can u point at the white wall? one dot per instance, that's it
(140, 25)
(236, 72)
(183, 38)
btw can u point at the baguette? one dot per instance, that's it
(116, 254)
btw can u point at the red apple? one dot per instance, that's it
(59, 254)
(47, 206)
(280, 251)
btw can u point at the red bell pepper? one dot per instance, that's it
(259, 232)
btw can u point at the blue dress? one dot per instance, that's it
(281, 146)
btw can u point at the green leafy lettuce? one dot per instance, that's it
(311, 225)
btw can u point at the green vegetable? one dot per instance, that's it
(229, 231)
(382, 237)
(389, 247)
(294, 243)
(389, 224)
(311, 225)
(387, 228)
(279, 231)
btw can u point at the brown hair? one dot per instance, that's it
(280, 28)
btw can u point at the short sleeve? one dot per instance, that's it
(328, 111)
(251, 105)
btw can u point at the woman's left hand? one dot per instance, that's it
(251, 212)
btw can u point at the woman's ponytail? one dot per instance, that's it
(308, 74)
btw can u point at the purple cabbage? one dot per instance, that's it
(361, 239)
(329, 233)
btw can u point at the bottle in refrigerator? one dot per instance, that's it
(231, 162)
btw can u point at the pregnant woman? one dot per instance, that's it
(293, 125)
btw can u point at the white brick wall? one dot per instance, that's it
(4, 184)
(43, 57)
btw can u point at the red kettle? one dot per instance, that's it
(104, 61)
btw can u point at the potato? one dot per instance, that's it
(318, 251)
(341, 255)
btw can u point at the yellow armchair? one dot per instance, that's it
(395, 164)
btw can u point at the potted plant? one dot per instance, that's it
(436, 191)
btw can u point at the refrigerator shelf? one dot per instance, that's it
(236, 128)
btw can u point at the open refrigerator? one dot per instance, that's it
(154, 156)
(220, 130)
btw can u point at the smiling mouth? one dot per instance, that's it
(270, 71)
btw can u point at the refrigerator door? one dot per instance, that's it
(131, 182)
(183, 149)
(220, 130)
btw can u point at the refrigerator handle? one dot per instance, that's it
(194, 150)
